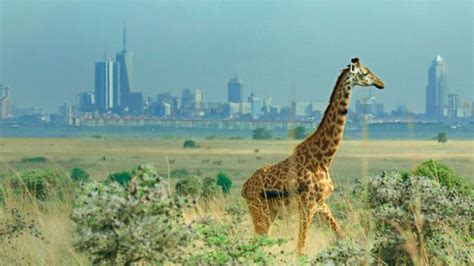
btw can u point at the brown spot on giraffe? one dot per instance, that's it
(304, 175)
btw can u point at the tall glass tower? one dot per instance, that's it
(107, 93)
(437, 89)
(234, 90)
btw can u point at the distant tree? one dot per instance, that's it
(79, 175)
(442, 137)
(297, 133)
(123, 177)
(190, 144)
(262, 133)
(224, 182)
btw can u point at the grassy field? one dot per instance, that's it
(99, 157)
(238, 158)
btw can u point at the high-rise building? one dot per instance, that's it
(125, 60)
(191, 99)
(437, 89)
(235, 93)
(453, 105)
(4, 102)
(107, 93)
(86, 101)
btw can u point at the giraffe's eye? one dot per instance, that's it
(365, 74)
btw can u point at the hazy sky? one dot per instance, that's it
(287, 50)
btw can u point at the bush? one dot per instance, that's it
(445, 176)
(42, 183)
(114, 225)
(179, 173)
(79, 175)
(123, 177)
(442, 137)
(224, 182)
(36, 159)
(210, 189)
(344, 253)
(222, 248)
(189, 186)
(262, 133)
(415, 218)
(297, 133)
(190, 144)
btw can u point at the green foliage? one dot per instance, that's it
(221, 248)
(210, 189)
(41, 183)
(35, 159)
(79, 175)
(262, 133)
(190, 144)
(442, 137)
(445, 176)
(415, 214)
(297, 133)
(116, 225)
(189, 186)
(344, 253)
(123, 177)
(224, 182)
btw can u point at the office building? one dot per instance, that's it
(86, 101)
(107, 93)
(4, 102)
(235, 93)
(437, 89)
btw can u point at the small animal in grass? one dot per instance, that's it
(206, 161)
(217, 162)
(259, 157)
(172, 161)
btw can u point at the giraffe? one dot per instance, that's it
(304, 175)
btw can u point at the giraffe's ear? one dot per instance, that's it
(352, 68)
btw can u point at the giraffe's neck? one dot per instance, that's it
(321, 146)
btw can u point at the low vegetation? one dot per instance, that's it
(262, 133)
(422, 216)
(35, 159)
(189, 143)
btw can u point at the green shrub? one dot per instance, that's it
(123, 177)
(416, 215)
(42, 183)
(115, 225)
(224, 182)
(189, 186)
(442, 137)
(79, 175)
(297, 133)
(222, 248)
(262, 133)
(210, 189)
(190, 144)
(445, 176)
(344, 253)
(36, 159)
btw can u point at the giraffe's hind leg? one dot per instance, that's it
(263, 215)
(331, 220)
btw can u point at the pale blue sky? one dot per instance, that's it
(282, 49)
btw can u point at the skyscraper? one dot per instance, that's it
(437, 89)
(235, 93)
(107, 93)
(125, 60)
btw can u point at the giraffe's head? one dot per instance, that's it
(363, 76)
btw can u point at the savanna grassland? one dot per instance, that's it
(237, 158)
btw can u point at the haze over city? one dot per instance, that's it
(289, 51)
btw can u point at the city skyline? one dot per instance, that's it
(284, 74)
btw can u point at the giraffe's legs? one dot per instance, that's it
(307, 209)
(262, 215)
(332, 222)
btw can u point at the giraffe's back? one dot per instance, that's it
(268, 181)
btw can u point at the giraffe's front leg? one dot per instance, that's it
(326, 211)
